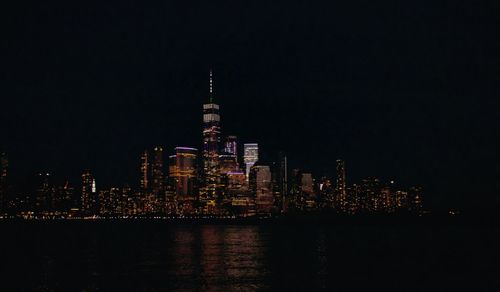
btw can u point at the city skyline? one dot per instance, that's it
(250, 146)
(246, 155)
(397, 92)
(210, 182)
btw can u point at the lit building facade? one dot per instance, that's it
(228, 159)
(250, 156)
(182, 172)
(236, 180)
(89, 194)
(307, 184)
(110, 202)
(325, 192)
(260, 186)
(371, 201)
(211, 144)
(231, 145)
(157, 171)
(307, 190)
(228, 163)
(340, 187)
(145, 170)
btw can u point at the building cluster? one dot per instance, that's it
(214, 181)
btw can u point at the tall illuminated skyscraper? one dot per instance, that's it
(250, 156)
(157, 170)
(145, 170)
(89, 194)
(211, 142)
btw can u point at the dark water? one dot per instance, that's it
(156, 256)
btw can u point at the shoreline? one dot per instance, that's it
(319, 219)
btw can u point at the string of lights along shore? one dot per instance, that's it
(211, 181)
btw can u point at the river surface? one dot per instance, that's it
(159, 256)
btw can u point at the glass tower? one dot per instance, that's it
(250, 156)
(211, 141)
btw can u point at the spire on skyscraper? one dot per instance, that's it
(211, 92)
(211, 141)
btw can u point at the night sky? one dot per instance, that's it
(398, 90)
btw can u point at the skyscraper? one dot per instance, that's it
(231, 145)
(307, 184)
(415, 200)
(228, 159)
(4, 164)
(43, 193)
(370, 195)
(250, 156)
(157, 171)
(145, 170)
(183, 172)
(260, 186)
(296, 196)
(63, 197)
(283, 178)
(340, 190)
(307, 188)
(325, 192)
(227, 163)
(109, 201)
(211, 141)
(89, 194)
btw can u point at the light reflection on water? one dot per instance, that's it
(231, 257)
(163, 257)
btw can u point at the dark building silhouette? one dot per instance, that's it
(4, 196)
(63, 199)
(44, 193)
(282, 178)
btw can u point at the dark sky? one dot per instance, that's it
(403, 90)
